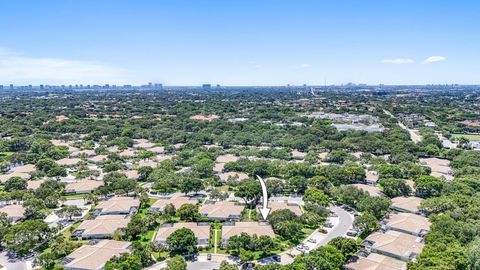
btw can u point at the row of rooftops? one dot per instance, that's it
(398, 241)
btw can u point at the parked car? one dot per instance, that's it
(209, 257)
(311, 240)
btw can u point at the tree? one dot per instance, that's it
(224, 265)
(135, 227)
(376, 205)
(325, 258)
(316, 196)
(23, 237)
(428, 186)
(15, 183)
(473, 254)
(176, 263)
(321, 183)
(250, 191)
(169, 211)
(188, 212)
(191, 184)
(182, 241)
(366, 222)
(124, 262)
(347, 246)
(393, 187)
(69, 211)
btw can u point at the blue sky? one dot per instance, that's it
(239, 42)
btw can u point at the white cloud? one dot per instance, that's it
(15, 68)
(301, 66)
(435, 58)
(398, 61)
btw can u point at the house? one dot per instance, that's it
(142, 144)
(371, 190)
(371, 177)
(83, 187)
(97, 159)
(157, 149)
(34, 184)
(118, 206)
(177, 201)
(15, 212)
(128, 154)
(222, 210)
(407, 204)
(87, 153)
(278, 205)
(94, 255)
(394, 244)
(147, 163)
(226, 158)
(5, 177)
(298, 155)
(210, 117)
(132, 174)
(200, 230)
(101, 227)
(407, 223)
(250, 228)
(28, 168)
(376, 262)
(68, 162)
(238, 176)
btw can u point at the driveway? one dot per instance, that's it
(15, 264)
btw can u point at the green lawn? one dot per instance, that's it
(472, 137)
(74, 196)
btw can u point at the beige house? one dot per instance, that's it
(68, 162)
(118, 206)
(97, 159)
(278, 205)
(376, 262)
(5, 177)
(222, 210)
(15, 212)
(28, 168)
(394, 244)
(101, 227)
(83, 187)
(238, 176)
(128, 154)
(34, 185)
(407, 223)
(143, 144)
(407, 204)
(250, 228)
(176, 201)
(87, 153)
(371, 190)
(132, 174)
(201, 231)
(94, 255)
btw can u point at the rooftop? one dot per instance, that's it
(95, 256)
(103, 225)
(250, 228)
(408, 204)
(377, 262)
(201, 231)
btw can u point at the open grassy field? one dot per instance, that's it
(472, 137)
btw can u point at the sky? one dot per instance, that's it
(239, 42)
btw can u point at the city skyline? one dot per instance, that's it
(239, 43)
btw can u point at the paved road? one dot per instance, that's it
(342, 223)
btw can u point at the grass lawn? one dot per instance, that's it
(74, 196)
(472, 137)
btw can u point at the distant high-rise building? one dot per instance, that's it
(218, 86)
(1, 87)
(207, 86)
(150, 85)
(41, 86)
(11, 86)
